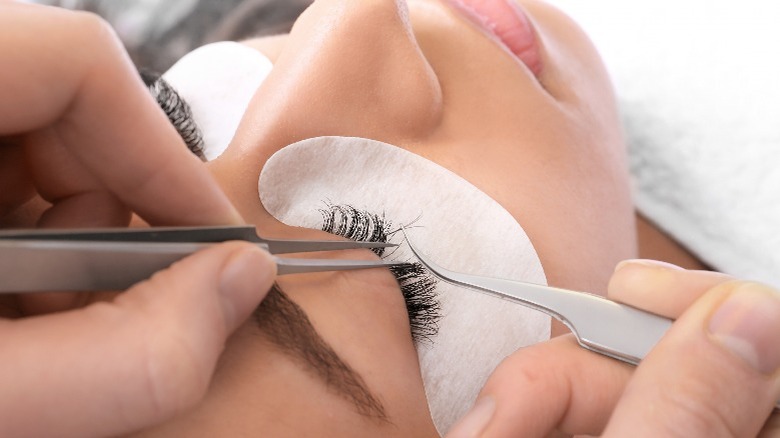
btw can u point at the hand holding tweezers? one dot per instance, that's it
(117, 258)
(616, 330)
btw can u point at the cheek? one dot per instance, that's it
(576, 75)
(237, 177)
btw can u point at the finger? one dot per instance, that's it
(79, 199)
(115, 367)
(548, 387)
(714, 374)
(82, 84)
(660, 287)
(15, 181)
(772, 427)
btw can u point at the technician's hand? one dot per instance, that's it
(79, 131)
(715, 374)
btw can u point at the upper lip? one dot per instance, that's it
(525, 49)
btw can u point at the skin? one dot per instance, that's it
(126, 354)
(108, 388)
(540, 146)
(691, 384)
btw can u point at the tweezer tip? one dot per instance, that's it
(377, 244)
(429, 264)
(411, 247)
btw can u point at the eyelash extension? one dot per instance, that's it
(177, 110)
(419, 290)
(354, 224)
(417, 285)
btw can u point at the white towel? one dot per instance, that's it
(698, 83)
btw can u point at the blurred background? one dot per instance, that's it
(159, 32)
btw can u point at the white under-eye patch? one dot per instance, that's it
(218, 80)
(451, 220)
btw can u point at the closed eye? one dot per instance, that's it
(177, 110)
(417, 285)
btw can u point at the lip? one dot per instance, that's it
(507, 24)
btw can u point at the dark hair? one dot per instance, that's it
(177, 110)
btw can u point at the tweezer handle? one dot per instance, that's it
(32, 266)
(606, 327)
(157, 234)
(187, 235)
(616, 330)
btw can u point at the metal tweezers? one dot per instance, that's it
(616, 330)
(117, 258)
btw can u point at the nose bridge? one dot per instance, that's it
(350, 67)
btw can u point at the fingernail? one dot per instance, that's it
(244, 281)
(476, 420)
(748, 323)
(646, 263)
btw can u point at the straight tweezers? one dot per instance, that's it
(115, 259)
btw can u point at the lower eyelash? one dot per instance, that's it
(417, 285)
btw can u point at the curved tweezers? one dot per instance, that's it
(616, 330)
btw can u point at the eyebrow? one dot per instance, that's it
(289, 328)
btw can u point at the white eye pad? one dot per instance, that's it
(218, 80)
(454, 222)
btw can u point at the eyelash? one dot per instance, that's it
(177, 110)
(417, 285)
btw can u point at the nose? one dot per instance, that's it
(349, 67)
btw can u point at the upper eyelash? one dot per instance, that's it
(362, 226)
(177, 110)
(417, 285)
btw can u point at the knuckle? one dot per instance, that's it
(175, 373)
(694, 411)
(93, 35)
(91, 24)
(772, 427)
(529, 368)
(174, 378)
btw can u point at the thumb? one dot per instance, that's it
(111, 368)
(716, 373)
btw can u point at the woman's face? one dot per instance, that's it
(530, 120)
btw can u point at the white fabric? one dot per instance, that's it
(218, 80)
(450, 220)
(698, 82)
